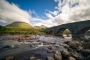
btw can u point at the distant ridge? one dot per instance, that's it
(42, 26)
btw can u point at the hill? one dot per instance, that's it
(19, 25)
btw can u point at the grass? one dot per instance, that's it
(13, 30)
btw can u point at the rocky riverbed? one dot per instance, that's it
(43, 47)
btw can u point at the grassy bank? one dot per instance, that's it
(5, 30)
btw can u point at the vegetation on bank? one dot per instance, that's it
(5, 30)
(66, 32)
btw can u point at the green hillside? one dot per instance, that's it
(20, 28)
(19, 25)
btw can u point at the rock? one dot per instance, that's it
(58, 55)
(49, 51)
(79, 48)
(57, 46)
(85, 52)
(76, 55)
(73, 44)
(49, 47)
(39, 59)
(50, 58)
(71, 58)
(65, 53)
(40, 54)
(66, 47)
(6, 46)
(32, 58)
(19, 40)
(47, 35)
(53, 52)
(10, 58)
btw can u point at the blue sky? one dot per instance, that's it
(39, 6)
(44, 12)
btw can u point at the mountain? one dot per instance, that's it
(19, 25)
(42, 26)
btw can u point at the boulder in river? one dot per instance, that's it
(49, 47)
(49, 51)
(39, 59)
(32, 58)
(73, 44)
(10, 58)
(65, 53)
(6, 46)
(76, 55)
(58, 55)
(71, 58)
(50, 58)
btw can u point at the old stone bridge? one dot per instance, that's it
(77, 29)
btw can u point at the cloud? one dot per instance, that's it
(39, 22)
(49, 15)
(10, 13)
(71, 11)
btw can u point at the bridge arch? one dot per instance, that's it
(82, 32)
(51, 32)
(61, 31)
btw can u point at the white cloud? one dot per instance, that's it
(10, 13)
(49, 15)
(71, 11)
(48, 22)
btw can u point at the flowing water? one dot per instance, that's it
(23, 50)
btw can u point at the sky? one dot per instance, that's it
(44, 12)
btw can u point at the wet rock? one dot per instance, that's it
(86, 45)
(6, 46)
(32, 58)
(53, 52)
(49, 51)
(19, 40)
(37, 37)
(66, 47)
(85, 52)
(76, 55)
(57, 46)
(50, 58)
(73, 44)
(10, 58)
(71, 58)
(79, 48)
(49, 47)
(58, 55)
(39, 59)
(47, 35)
(65, 53)
(40, 54)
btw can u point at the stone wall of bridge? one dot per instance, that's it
(77, 29)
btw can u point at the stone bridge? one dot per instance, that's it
(77, 29)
